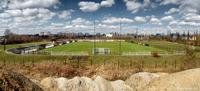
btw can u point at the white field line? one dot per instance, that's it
(150, 53)
(71, 53)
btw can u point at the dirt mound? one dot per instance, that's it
(83, 84)
(188, 80)
(181, 81)
(12, 81)
(140, 80)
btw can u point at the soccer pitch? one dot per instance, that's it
(113, 46)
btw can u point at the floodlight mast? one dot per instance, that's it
(94, 37)
(5, 37)
(120, 40)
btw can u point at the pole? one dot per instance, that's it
(120, 42)
(4, 44)
(94, 38)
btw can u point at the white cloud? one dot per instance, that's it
(167, 18)
(189, 23)
(172, 11)
(188, 10)
(4, 15)
(165, 2)
(107, 3)
(155, 21)
(184, 23)
(30, 12)
(184, 6)
(65, 14)
(14, 13)
(45, 14)
(80, 21)
(22, 4)
(23, 19)
(57, 24)
(27, 10)
(134, 5)
(112, 20)
(192, 17)
(3, 4)
(22, 15)
(87, 6)
(140, 19)
(146, 3)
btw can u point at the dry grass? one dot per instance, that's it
(111, 70)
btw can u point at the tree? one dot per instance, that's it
(7, 32)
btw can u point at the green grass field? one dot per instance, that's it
(113, 46)
(22, 45)
(166, 63)
(167, 46)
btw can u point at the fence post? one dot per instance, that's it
(78, 62)
(118, 64)
(131, 63)
(65, 61)
(165, 64)
(33, 63)
(175, 64)
(14, 61)
(142, 63)
(156, 64)
(4, 61)
(22, 57)
(134, 63)
(104, 62)
(91, 60)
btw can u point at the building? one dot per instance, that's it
(109, 35)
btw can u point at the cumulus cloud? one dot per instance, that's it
(140, 19)
(167, 18)
(155, 21)
(165, 2)
(89, 6)
(24, 14)
(65, 14)
(184, 23)
(22, 4)
(3, 4)
(191, 17)
(189, 9)
(107, 3)
(112, 20)
(172, 11)
(41, 14)
(134, 6)
(14, 13)
(79, 21)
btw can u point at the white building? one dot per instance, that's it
(109, 35)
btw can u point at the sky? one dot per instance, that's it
(144, 16)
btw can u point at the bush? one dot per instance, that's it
(155, 54)
(146, 44)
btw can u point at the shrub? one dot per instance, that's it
(155, 54)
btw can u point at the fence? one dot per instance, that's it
(141, 63)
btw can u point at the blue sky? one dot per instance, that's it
(148, 16)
